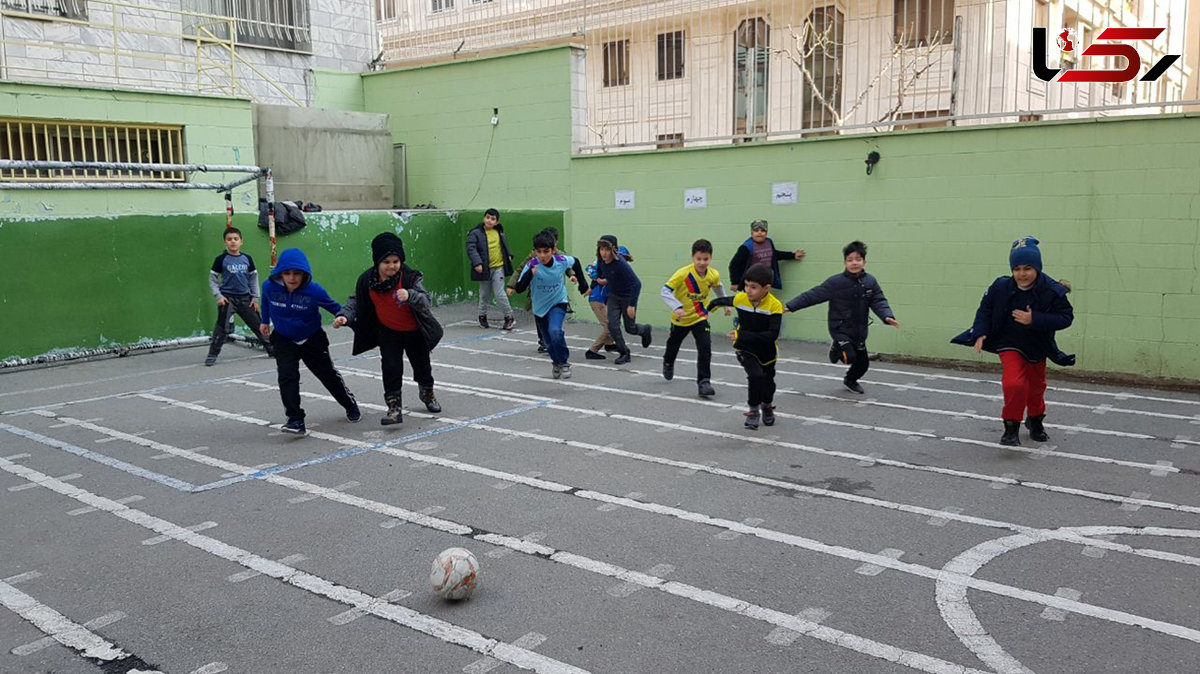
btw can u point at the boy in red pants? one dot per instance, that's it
(1017, 319)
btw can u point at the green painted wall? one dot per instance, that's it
(455, 156)
(95, 281)
(338, 90)
(216, 131)
(1115, 202)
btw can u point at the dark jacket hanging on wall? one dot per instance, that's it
(360, 314)
(288, 216)
(1051, 312)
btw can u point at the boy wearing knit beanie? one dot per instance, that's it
(1017, 319)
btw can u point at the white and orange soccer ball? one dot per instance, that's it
(455, 574)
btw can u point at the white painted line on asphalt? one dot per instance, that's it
(426, 624)
(164, 538)
(505, 484)
(956, 610)
(17, 457)
(421, 446)
(102, 441)
(693, 470)
(713, 599)
(45, 642)
(609, 507)
(655, 573)
(1133, 505)
(309, 497)
(531, 640)
(802, 490)
(782, 636)
(243, 576)
(88, 509)
(211, 668)
(22, 577)
(1097, 553)
(874, 569)
(1057, 614)
(531, 537)
(869, 459)
(824, 420)
(31, 485)
(1006, 480)
(733, 535)
(1164, 470)
(59, 627)
(941, 519)
(159, 457)
(355, 613)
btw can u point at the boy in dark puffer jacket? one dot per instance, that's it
(1017, 319)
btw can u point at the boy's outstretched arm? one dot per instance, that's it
(880, 306)
(581, 279)
(526, 277)
(325, 301)
(811, 297)
(724, 301)
(737, 266)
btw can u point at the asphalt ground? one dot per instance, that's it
(154, 519)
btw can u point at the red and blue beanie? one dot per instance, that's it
(1025, 252)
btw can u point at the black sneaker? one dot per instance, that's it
(210, 361)
(592, 355)
(510, 322)
(542, 347)
(1037, 432)
(395, 414)
(622, 359)
(646, 338)
(354, 415)
(668, 371)
(430, 400)
(854, 386)
(768, 414)
(483, 322)
(611, 348)
(295, 427)
(1011, 437)
(705, 388)
(752, 420)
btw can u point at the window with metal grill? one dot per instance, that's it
(63, 140)
(920, 23)
(62, 9)
(670, 55)
(272, 24)
(616, 63)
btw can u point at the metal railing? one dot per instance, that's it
(670, 73)
(146, 46)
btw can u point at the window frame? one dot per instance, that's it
(41, 139)
(670, 50)
(618, 62)
(924, 32)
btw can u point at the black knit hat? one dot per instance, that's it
(386, 244)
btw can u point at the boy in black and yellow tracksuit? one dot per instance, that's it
(754, 336)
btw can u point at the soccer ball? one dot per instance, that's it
(455, 574)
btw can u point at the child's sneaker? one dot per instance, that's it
(542, 347)
(295, 427)
(394, 415)
(510, 322)
(668, 371)
(768, 414)
(646, 338)
(1037, 431)
(354, 415)
(592, 355)
(705, 388)
(210, 361)
(622, 359)
(611, 348)
(752, 420)
(853, 386)
(483, 322)
(556, 371)
(566, 370)
(427, 397)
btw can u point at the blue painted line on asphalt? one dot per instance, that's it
(88, 454)
(353, 451)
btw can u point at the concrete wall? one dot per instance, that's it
(85, 282)
(216, 131)
(455, 156)
(338, 159)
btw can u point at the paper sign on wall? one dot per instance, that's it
(784, 193)
(624, 200)
(695, 197)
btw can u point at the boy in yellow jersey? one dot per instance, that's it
(754, 336)
(685, 294)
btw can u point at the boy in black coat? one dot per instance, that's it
(1017, 319)
(390, 309)
(850, 295)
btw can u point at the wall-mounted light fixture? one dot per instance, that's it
(872, 160)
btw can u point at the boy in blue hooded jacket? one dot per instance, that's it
(292, 302)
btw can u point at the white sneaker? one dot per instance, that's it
(566, 371)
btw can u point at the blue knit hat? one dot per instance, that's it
(1025, 252)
